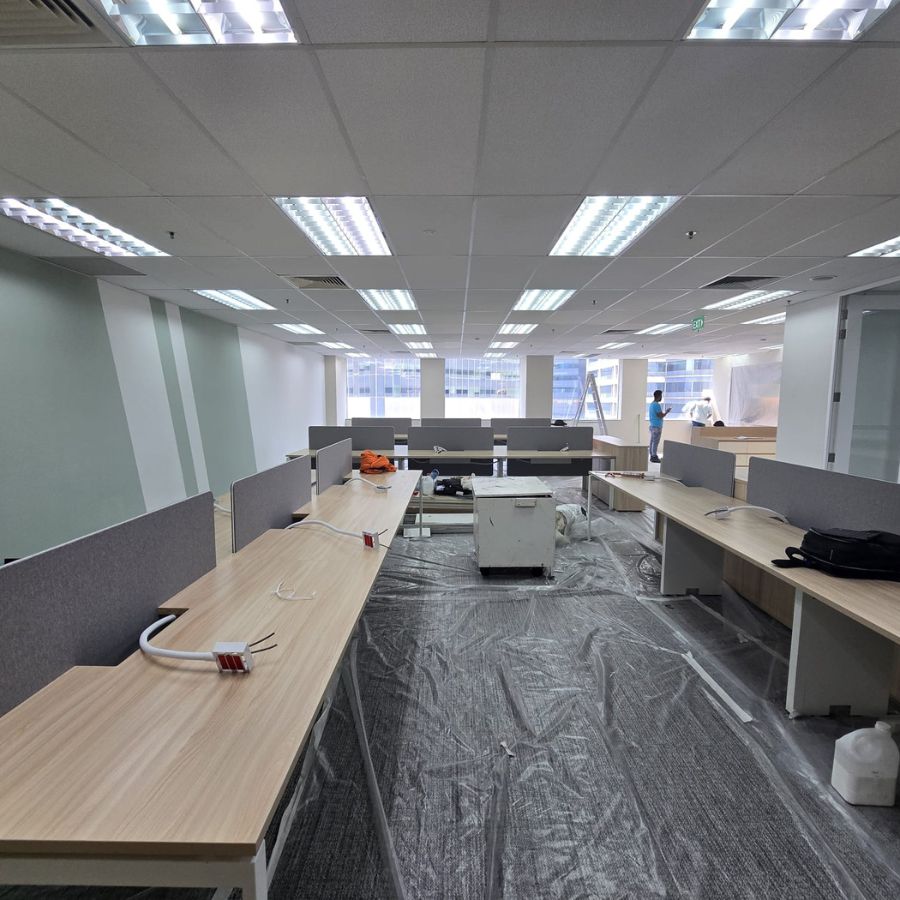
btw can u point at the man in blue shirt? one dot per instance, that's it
(656, 424)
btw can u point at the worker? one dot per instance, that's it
(700, 411)
(656, 416)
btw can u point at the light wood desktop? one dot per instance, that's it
(165, 770)
(626, 456)
(841, 650)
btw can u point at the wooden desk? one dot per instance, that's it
(844, 629)
(627, 456)
(165, 772)
(743, 450)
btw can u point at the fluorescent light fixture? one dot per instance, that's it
(192, 22)
(359, 355)
(767, 320)
(503, 345)
(407, 329)
(76, 226)
(516, 329)
(299, 329)
(387, 301)
(809, 20)
(605, 226)
(338, 226)
(235, 299)
(542, 301)
(420, 345)
(494, 355)
(885, 248)
(335, 345)
(661, 329)
(615, 345)
(427, 355)
(751, 298)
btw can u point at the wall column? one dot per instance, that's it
(432, 374)
(537, 386)
(335, 390)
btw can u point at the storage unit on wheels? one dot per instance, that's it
(515, 523)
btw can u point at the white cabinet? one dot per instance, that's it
(515, 523)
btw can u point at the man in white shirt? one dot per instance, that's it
(701, 412)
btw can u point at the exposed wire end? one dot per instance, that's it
(271, 634)
(263, 649)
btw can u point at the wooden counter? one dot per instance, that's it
(627, 456)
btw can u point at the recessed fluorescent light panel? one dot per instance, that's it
(616, 346)
(335, 345)
(235, 299)
(76, 226)
(192, 22)
(407, 329)
(299, 329)
(494, 355)
(804, 20)
(751, 298)
(427, 355)
(885, 248)
(768, 320)
(516, 329)
(359, 355)
(661, 329)
(420, 345)
(338, 226)
(605, 226)
(542, 301)
(503, 345)
(385, 301)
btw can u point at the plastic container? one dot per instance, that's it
(427, 486)
(865, 766)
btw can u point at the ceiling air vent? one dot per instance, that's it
(738, 282)
(618, 331)
(315, 282)
(48, 23)
(375, 331)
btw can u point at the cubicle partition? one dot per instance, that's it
(546, 437)
(501, 427)
(335, 464)
(697, 466)
(425, 439)
(267, 499)
(364, 437)
(86, 602)
(399, 424)
(451, 423)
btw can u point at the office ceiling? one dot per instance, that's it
(476, 128)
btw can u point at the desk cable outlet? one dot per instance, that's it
(723, 512)
(378, 487)
(232, 656)
(437, 448)
(370, 539)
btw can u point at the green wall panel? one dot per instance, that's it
(66, 461)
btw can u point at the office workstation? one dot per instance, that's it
(407, 409)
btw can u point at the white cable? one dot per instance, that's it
(221, 508)
(374, 484)
(283, 594)
(722, 512)
(149, 649)
(328, 525)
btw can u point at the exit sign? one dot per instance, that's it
(697, 324)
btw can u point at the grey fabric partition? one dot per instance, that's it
(699, 467)
(334, 464)
(364, 437)
(502, 426)
(400, 425)
(816, 498)
(425, 438)
(546, 437)
(451, 423)
(267, 499)
(86, 602)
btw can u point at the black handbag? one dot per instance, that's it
(847, 554)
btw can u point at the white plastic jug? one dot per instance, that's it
(865, 766)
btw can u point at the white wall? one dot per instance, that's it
(335, 390)
(537, 386)
(807, 381)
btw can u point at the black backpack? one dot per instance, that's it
(847, 554)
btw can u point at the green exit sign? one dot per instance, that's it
(697, 324)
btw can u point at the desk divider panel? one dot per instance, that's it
(267, 500)
(400, 425)
(547, 437)
(699, 467)
(334, 464)
(426, 438)
(451, 423)
(817, 498)
(502, 426)
(86, 602)
(364, 437)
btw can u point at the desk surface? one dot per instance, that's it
(169, 758)
(759, 540)
(486, 487)
(496, 453)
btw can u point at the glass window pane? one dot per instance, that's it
(569, 378)
(682, 381)
(383, 387)
(484, 388)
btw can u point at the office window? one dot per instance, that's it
(482, 387)
(383, 387)
(569, 376)
(681, 380)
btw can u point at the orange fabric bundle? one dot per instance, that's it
(371, 463)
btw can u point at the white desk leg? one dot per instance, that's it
(690, 563)
(590, 481)
(835, 661)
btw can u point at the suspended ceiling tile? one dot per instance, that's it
(695, 273)
(440, 273)
(865, 230)
(631, 273)
(566, 272)
(426, 226)
(520, 226)
(369, 272)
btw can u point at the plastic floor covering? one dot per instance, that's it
(571, 737)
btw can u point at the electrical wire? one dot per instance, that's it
(722, 512)
(284, 594)
(328, 525)
(150, 650)
(374, 484)
(222, 509)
